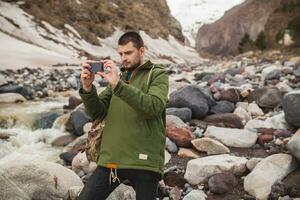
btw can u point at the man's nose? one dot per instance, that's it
(123, 57)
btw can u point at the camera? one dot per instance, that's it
(96, 67)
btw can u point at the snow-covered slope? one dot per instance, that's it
(24, 42)
(192, 14)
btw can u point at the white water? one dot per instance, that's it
(26, 143)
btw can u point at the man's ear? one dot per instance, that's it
(142, 51)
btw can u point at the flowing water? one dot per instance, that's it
(29, 131)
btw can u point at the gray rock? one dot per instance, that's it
(36, 180)
(77, 120)
(122, 192)
(171, 146)
(185, 114)
(193, 97)
(294, 145)
(222, 107)
(13, 88)
(291, 109)
(266, 97)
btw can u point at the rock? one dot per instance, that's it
(291, 108)
(271, 169)
(67, 157)
(243, 105)
(229, 120)
(232, 137)
(173, 179)
(61, 121)
(242, 114)
(175, 193)
(46, 120)
(284, 87)
(254, 110)
(185, 114)
(266, 138)
(266, 97)
(222, 183)
(13, 88)
(231, 95)
(294, 145)
(178, 131)
(171, 146)
(190, 153)
(252, 163)
(77, 145)
(193, 97)
(198, 170)
(3, 81)
(277, 122)
(167, 157)
(62, 140)
(122, 192)
(222, 107)
(210, 146)
(195, 195)
(282, 133)
(73, 103)
(292, 183)
(23, 180)
(271, 72)
(11, 98)
(77, 120)
(74, 192)
(204, 76)
(80, 162)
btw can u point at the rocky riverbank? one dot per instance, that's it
(232, 132)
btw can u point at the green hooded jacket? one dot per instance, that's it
(134, 114)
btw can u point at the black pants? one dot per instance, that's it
(98, 186)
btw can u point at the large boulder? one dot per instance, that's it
(36, 180)
(232, 137)
(291, 103)
(193, 97)
(178, 131)
(271, 169)
(13, 88)
(200, 169)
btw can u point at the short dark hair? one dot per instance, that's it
(133, 37)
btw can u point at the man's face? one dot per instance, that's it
(131, 57)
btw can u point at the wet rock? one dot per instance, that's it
(173, 179)
(77, 145)
(195, 195)
(13, 88)
(222, 107)
(77, 120)
(185, 114)
(54, 179)
(291, 108)
(232, 137)
(193, 97)
(294, 145)
(189, 153)
(73, 103)
(11, 98)
(225, 119)
(210, 146)
(271, 169)
(222, 183)
(231, 95)
(178, 131)
(198, 170)
(266, 97)
(67, 157)
(62, 140)
(46, 121)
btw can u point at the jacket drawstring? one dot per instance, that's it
(113, 176)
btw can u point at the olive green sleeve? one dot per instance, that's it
(96, 105)
(150, 104)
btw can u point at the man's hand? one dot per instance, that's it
(87, 77)
(113, 75)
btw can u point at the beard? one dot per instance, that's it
(135, 65)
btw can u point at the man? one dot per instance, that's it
(133, 106)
